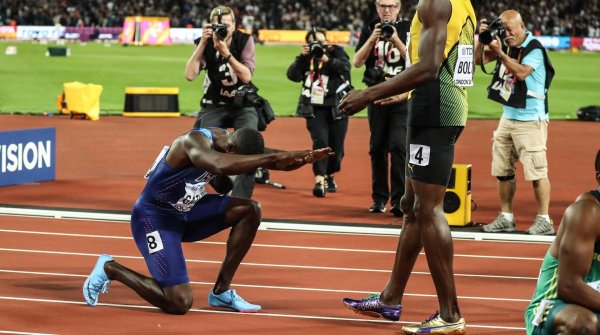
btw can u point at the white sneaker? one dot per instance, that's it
(541, 226)
(500, 224)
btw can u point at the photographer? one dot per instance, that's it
(228, 56)
(382, 50)
(520, 83)
(324, 71)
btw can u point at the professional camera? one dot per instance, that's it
(494, 29)
(373, 76)
(220, 29)
(246, 96)
(317, 50)
(387, 30)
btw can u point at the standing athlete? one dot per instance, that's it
(441, 52)
(174, 208)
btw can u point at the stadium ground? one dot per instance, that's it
(299, 277)
(31, 81)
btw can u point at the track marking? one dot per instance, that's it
(273, 225)
(198, 310)
(289, 288)
(22, 333)
(264, 245)
(288, 266)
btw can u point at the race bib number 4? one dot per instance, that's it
(419, 154)
(154, 242)
(463, 72)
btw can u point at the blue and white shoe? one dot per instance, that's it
(97, 282)
(230, 299)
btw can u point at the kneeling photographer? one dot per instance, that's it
(324, 71)
(520, 82)
(228, 56)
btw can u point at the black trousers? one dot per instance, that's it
(388, 139)
(227, 116)
(327, 131)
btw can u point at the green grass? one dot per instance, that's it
(30, 81)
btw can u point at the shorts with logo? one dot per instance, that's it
(547, 327)
(522, 140)
(430, 153)
(159, 234)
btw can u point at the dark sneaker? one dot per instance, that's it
(319, 190)
(377, 207)
(230, 299)
(436, 325)
(500, 224)
(373, 307)
(541, 226)
(331, 185)
(396, 210)
(97, 282)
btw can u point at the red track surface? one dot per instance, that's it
(100, 166)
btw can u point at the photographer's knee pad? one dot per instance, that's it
(506, 178)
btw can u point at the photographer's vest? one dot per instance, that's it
(385, 60)
(221, 81)
(324, 78)
(515, 95)
(442, 102)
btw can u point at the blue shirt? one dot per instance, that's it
(175, 191)
(535, 106)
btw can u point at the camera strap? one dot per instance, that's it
(318, 72)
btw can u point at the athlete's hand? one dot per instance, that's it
(291, 160)
(353, 102)
(394, 99)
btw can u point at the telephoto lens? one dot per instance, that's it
(387, 30)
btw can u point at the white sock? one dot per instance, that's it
(545, 216)
(508, 216)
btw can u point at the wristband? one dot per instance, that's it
(228, 57)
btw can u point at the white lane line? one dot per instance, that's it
(265, 245)
(21, 333)
(272, 265)
(267, 224)
(271, 287)
(197, 310)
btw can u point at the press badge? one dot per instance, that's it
(507, 88)
(317, 95)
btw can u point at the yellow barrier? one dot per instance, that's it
(297, 36)
(82, 100)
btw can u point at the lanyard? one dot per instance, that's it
(518, 59)
(312, 73)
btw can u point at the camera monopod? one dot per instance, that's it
(262, 177)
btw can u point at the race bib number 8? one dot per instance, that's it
(154, 242)
(419, 154)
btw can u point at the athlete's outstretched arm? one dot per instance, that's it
(193, 148)
(434, 16)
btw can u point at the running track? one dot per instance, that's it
(298, 278)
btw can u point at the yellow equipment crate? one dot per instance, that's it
(457, 200)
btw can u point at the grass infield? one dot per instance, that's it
(31, 81)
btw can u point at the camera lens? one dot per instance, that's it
(387, 30)
(487, 36)
(220, 30)
(316, 50)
